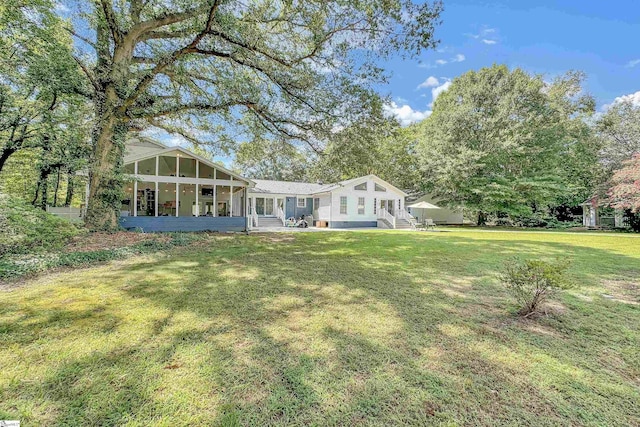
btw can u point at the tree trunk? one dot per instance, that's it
(105, 177)
(55, 194)
(6, 153)
(482, 218)
(69, 197)
(43, 184)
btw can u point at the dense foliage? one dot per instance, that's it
(43, 108)
(28, 229)
(502, 140)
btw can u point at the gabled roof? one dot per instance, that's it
(136, 147)
(355, 181)
(152, 154)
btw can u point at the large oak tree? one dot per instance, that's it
(216, 70)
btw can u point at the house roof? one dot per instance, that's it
(285, 187)
(141, 146)
(288, 187)
(153, 153)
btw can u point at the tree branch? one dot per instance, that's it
(110, 17)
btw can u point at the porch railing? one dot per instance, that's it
(384, 214)
(280, 215)
(254, 219)
(403, 214)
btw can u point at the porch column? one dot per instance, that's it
(231, 200)
(214, 208)
(247, 217)
(197, 176)
(177, 199)
(157, 165)
(197, 205)
(177, 167)
(135, 196)
(253, 205)
(135, 189)
(157, 194)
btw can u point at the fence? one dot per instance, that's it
(68, 213)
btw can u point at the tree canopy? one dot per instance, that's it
(625, 186)
(619, 128)
(215, 70)
(502, 140)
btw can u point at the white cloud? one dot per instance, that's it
(633, 98)
(633, 63)
(405, 114)
(486, 35)
(430, 82)
(457, 58)
(439, 89)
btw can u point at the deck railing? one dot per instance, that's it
(280, 215)
(384, 214)
(403, 214)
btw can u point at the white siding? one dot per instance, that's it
(369, 196)
(324, 211)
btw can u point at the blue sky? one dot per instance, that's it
(550, 37)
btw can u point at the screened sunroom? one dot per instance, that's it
(172, 189)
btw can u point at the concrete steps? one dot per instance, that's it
(403, 224)
(269, 222)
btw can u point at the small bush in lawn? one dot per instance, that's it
(531, 282)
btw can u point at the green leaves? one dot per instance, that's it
(501, 140)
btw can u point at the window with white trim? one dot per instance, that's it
(302, 202)
(361, 205)
(343, 205)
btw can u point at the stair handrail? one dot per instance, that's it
(384, 214)
(404, 214)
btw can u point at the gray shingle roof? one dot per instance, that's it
(286, 187)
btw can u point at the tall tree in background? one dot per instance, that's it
(619, 128)
(276, 159)
(375, 145)
(40, 87)
(624, 192)
(43, 103)
(275, 69)
(501, 140)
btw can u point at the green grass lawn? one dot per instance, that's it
(332, 328)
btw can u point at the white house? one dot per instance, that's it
(366, 201)
(173, 189)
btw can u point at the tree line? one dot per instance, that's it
(289, 88)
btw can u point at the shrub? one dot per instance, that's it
(25, 228)
(531, 282)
